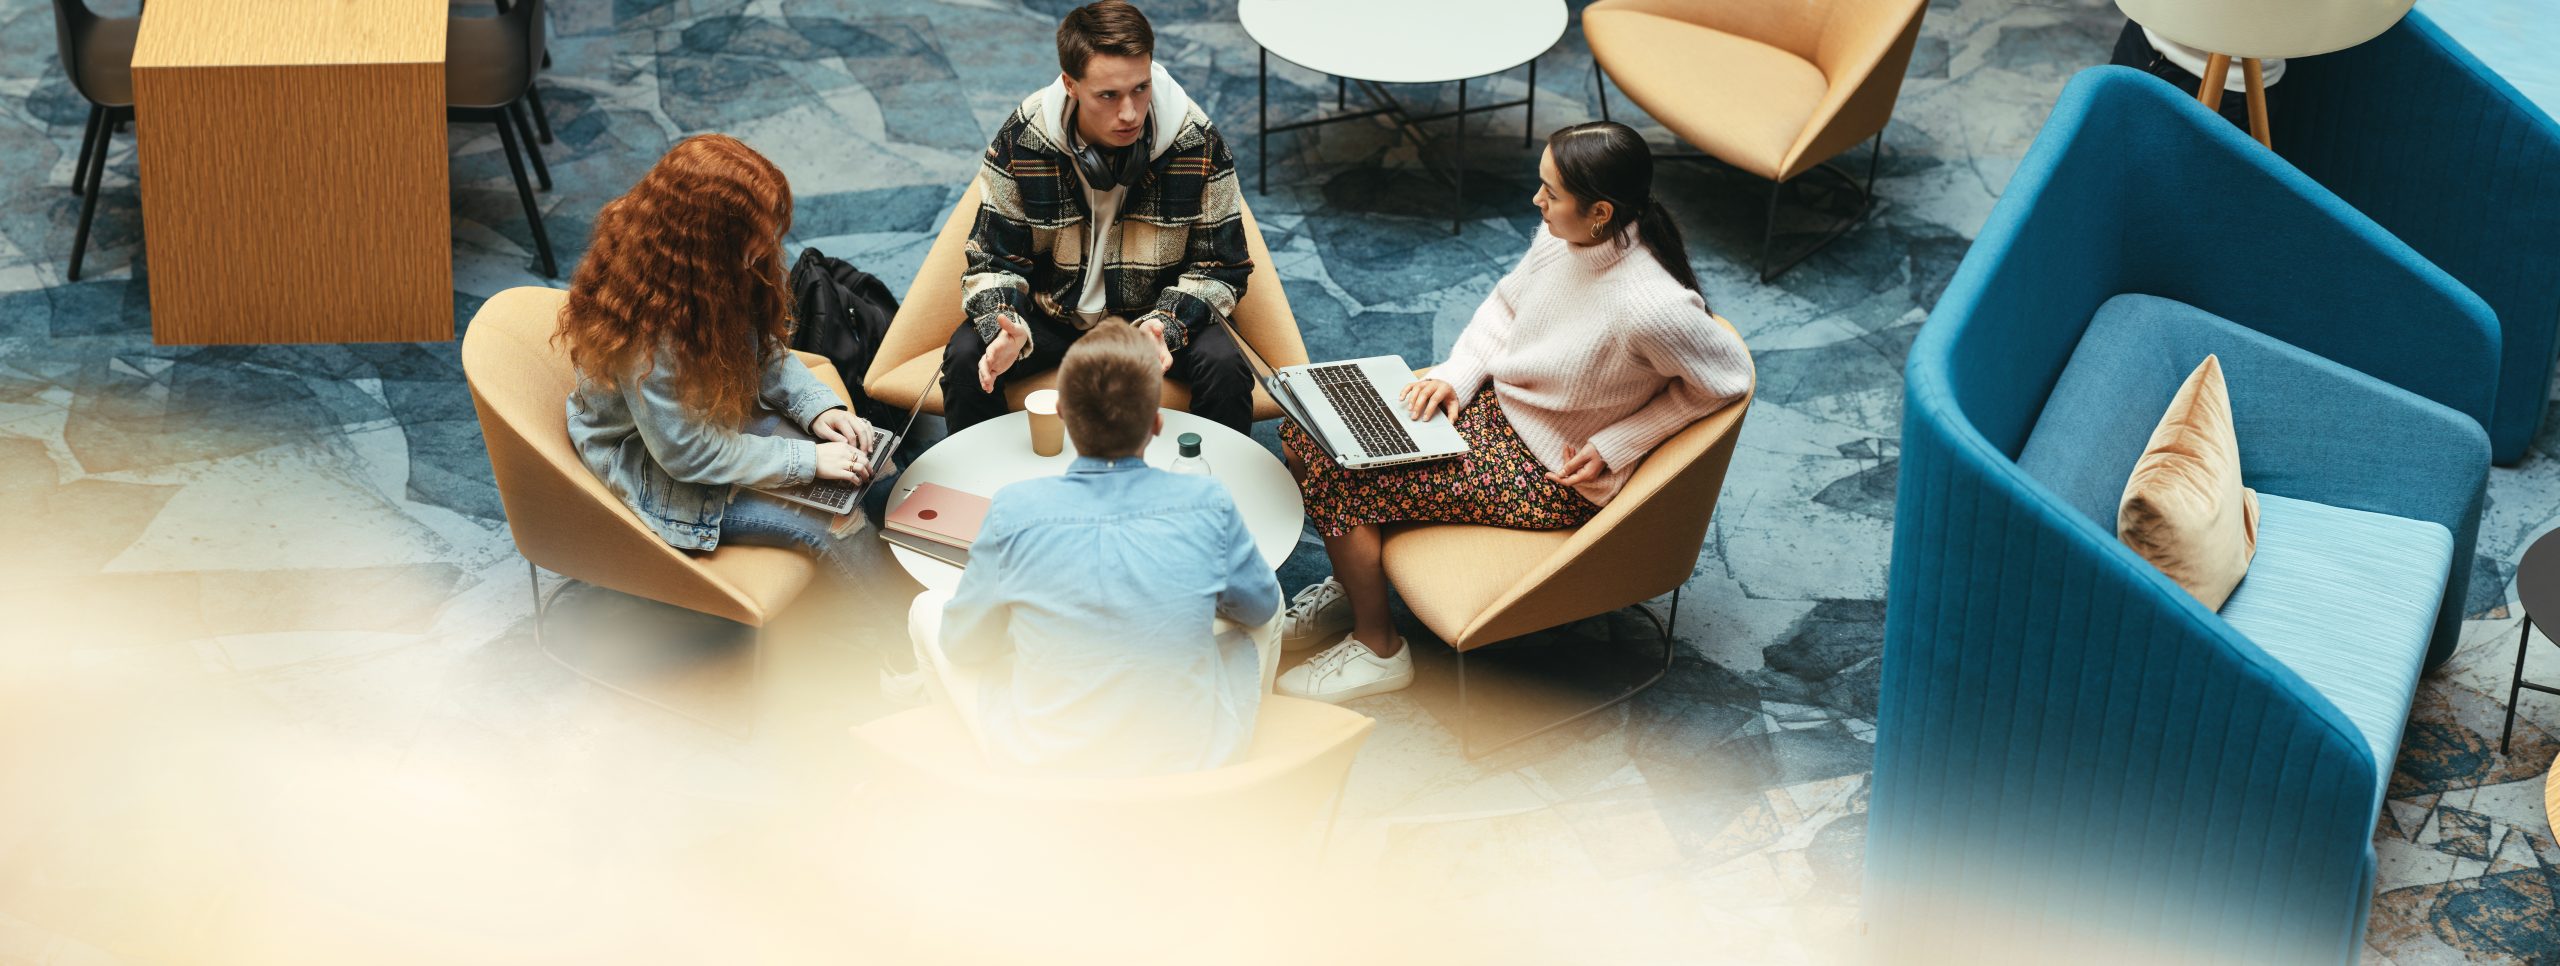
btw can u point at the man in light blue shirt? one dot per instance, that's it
(1082, 636)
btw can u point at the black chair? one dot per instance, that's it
(489, 64)
(97, 53)
(533, 95)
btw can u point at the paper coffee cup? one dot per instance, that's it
(1048, 432)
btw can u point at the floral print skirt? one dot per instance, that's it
(1497, 483)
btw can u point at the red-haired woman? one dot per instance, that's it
(678, 321)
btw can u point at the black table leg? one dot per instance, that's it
(2515, 686)
(1529, 123)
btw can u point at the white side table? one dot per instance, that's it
(1379, 42)
(984, 458)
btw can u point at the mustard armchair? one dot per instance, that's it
(1475, 585)
(1774, 89)
(910, 358)
(562, 517)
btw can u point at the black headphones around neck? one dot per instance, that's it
(1099, 170)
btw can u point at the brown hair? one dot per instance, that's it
(1108, 389)
(689, 261)
(1110, 27)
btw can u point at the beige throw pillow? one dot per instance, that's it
(2184, 509)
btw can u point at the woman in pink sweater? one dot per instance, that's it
(1592, 351)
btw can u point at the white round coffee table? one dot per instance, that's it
(1401, 42)
(984, 458)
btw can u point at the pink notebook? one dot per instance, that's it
(940, 514)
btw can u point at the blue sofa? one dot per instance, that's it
(2075, 760)
(2421, 137)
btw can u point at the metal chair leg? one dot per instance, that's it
(524, 133)
(1458, 164)
(1866, 206)
(1466, 710)
(524, 190)
(533, 99)
(1262, 105)
(88, 142)
(1601, 78)
(2515, 685)
(89, 201)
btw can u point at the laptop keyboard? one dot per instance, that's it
(841, 495)
(1357, 401)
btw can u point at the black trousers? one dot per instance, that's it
(2134, 50)
(1210, 363)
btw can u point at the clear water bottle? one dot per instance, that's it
(1187, 459)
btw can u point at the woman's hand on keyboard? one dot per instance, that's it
(1426, 398)
(841, 461)
(842, 426)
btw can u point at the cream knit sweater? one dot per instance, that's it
(1596, 343)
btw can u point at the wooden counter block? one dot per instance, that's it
(294, 175)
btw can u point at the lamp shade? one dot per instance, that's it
(2267, 28)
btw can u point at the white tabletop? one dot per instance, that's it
(983, 458)
(1405, 41)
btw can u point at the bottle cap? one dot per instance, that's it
(1188, 444)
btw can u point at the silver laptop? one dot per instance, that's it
(842, 496)
(1352, 409)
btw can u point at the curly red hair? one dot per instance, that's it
(689, 261)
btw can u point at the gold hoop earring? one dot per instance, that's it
(1595, 233)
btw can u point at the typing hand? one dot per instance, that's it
(840, 461)
(1001, 354)
(1153, 326)
(1582, 464)
(1426, 399)
(842, 426)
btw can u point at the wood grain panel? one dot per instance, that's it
(295, 203)
(267, 33)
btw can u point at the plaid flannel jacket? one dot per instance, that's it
(1178, 246)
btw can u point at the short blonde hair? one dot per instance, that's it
(1108, 389)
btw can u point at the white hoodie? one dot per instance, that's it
(1167, 107)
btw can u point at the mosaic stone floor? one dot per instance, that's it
(269, 650)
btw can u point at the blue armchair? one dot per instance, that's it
(2421, 137)
(2076, 760)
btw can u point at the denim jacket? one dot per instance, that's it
(1100, 590)
(675, 470)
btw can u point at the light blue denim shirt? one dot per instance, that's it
(1102, 586)
(674, 469)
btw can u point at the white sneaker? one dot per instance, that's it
(1320, 610)
(904, 688)
(1348, 670)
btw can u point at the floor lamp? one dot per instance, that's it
(2252, 30)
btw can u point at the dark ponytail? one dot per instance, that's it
(1608, 161)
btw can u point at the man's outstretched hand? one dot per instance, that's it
(1001, 354)
(1153, 325)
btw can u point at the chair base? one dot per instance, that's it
(542, 605)
(1769, 221)
(1866, 205)
(1466, 710)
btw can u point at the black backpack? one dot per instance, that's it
(844, 313)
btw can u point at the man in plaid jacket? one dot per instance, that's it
(1109, 200)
